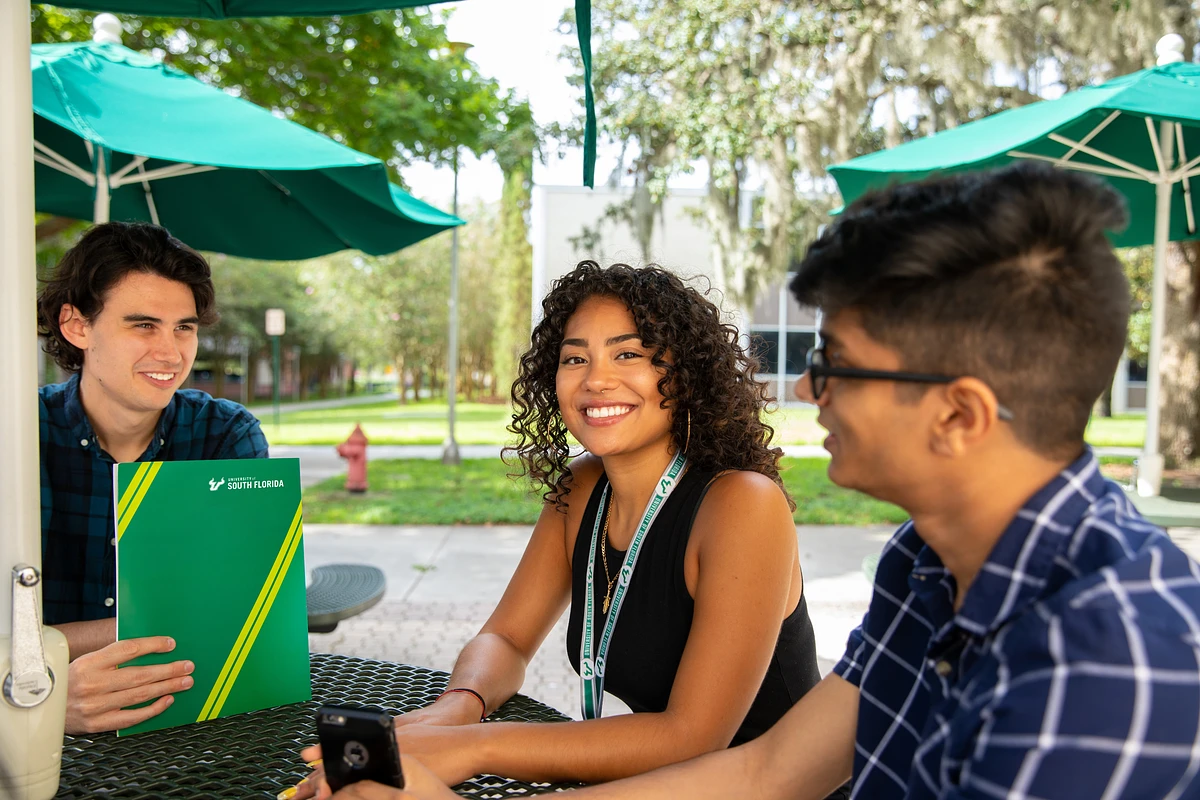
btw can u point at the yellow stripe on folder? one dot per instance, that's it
(132, 508)
(131, 489)
(262, 607)
(237, 668)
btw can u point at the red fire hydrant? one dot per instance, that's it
(354, 450)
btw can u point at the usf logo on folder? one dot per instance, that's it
(211, 553)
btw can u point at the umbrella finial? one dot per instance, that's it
(1169, 49)
(106, 29)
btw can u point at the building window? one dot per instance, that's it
(1138, 371)
(764, 345)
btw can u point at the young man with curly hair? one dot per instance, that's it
(1029, 634)
(122, 313)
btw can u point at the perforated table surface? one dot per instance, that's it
(256, 755)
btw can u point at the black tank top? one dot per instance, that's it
(647, 644)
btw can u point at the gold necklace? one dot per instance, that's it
(604, 555)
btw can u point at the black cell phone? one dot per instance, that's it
(357, 744)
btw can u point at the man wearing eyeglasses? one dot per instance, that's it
(1029, 634)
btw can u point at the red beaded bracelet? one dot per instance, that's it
(471, 692)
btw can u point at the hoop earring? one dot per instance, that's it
(688, 438)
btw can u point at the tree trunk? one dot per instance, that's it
(515, 275)
(1179, 362)
(251, 376)
(218, 373)
(1104, 403)
(400, 388)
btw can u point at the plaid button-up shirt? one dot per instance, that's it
(78, 544)
(1072, 669)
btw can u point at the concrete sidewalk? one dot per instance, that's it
(444, 582)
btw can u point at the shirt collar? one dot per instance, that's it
(81, 427)
(77, 421)
(1018, 570)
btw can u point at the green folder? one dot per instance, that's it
(211, 553)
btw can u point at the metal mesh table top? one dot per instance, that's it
(256, 755)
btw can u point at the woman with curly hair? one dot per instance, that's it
(671, 538)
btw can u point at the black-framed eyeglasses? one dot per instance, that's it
(819, 372)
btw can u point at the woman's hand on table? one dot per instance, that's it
(419, 784)
(449, 752)
(458, 708)
(449, 711)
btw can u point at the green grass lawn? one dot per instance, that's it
(388, 422)
(424, 492)
(1127, 430)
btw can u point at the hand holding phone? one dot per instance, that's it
(358, 744)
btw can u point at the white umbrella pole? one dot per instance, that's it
(1150, 465)
(100, 208)
(31, 709)
(20, 524)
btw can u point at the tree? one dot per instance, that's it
(512, 276)
(1179, 361)
(673, 88)
(781, 91)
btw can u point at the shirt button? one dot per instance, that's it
(161, 442)
(83, 442)
(113, 540)
(108, 601)
(943, 668)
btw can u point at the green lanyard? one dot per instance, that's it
(591, 670)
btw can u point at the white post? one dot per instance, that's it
(538, 235)
(31, 719)
(1120, 387)
(106, 29)
(20, 521)
(450, 454)
(781, 350)
(100, 206)
(1150, 465)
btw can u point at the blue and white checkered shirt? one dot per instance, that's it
(78, 557)
(1072, 669)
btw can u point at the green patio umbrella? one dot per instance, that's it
(1139, 132)
(120, 135)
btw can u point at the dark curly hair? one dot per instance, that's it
(106, 254)
(709, 375)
